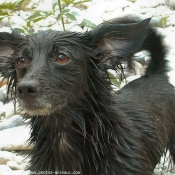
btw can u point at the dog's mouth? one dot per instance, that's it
(40, 108)
(39, 102)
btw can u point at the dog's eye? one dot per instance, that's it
(21, 62)
(62, 58)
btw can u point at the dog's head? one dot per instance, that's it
(51, 70)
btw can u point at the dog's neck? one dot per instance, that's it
(59, 139)
(79, 132)
(83, 142)
(57, 143)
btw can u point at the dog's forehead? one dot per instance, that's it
(43, 38)
(50, 37)
(46, 42)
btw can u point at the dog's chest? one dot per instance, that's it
(64, 145)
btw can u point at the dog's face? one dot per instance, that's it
(51, 70)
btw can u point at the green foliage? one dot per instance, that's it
(163, 21)
(87, 23)
(114, 80)
(61, 12)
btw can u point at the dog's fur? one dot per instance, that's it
(77, 122)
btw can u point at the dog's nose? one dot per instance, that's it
(27, 89)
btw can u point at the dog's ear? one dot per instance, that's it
(116, 42)
(8, 43)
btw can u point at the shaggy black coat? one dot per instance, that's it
(77, 122)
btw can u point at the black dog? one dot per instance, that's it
(78, 125)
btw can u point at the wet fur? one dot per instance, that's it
(77, 122)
